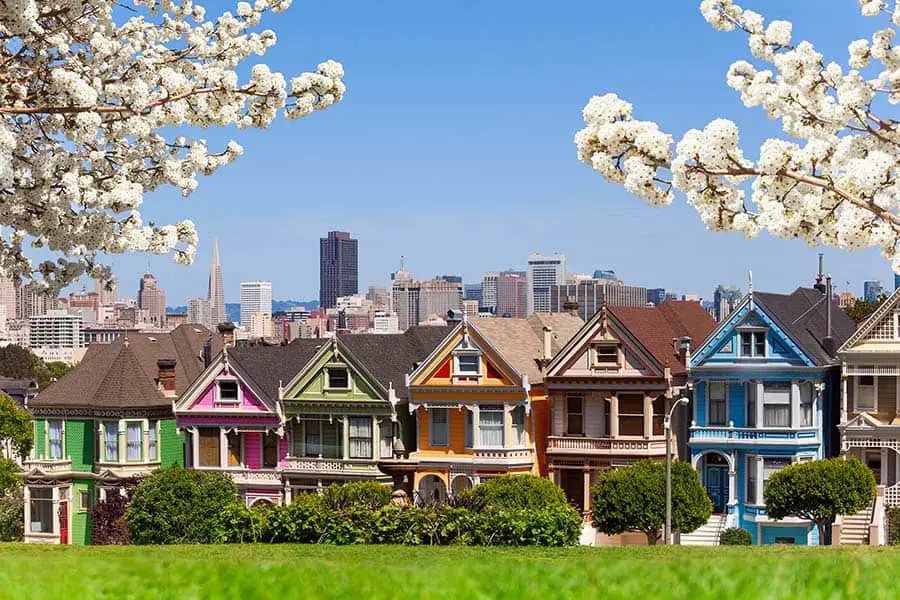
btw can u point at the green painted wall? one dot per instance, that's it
(40, 439)
(80, 528)
(311, 385)
(171, 444)
(80, 434)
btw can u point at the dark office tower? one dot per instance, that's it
(338, 272)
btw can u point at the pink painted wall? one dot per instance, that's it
(228, 420)
(283, 451)
(253, 449)
(249, 401)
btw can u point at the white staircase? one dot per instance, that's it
(706, 535)
(855, 528)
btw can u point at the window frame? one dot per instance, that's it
(237, 388)
(140, 424)
(458, 370)
(569, 412)
(61, 441)
(241, 461)
(597, 363)
(106, 442)
(724, 402)
(469, 425)
(789, 404)
(269, 435)
(153, 436)
(84, 500)
(801, 386)
(750, 403)
(633, 416)
(857, 384)
(330, 386)
(370, 438)
(754, 348)
(49, 501)
(520, 429)
(433, 442)
(492, 409)
(218, 445)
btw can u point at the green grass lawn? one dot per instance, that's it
(349, 572)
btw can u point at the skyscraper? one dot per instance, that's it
(108, 290)
(256, 297)
(592, 293)
(544, 272)
(198, 312)
(8, 296)
(489, 290)
(216, 296)
(338, 268)
(871, 290)
(438, 296)
(512, 296)
(725, 300)
(152, 299)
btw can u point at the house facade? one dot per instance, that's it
(479, 404)
(869, 417)
(765, 383)
(108, 420)
(610, 387)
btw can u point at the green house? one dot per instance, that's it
(107, 421)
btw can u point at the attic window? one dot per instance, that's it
(753, 343)
(468, 364)
(338, 378)
(605, 355)
(228, 390)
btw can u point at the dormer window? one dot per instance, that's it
(605, 355)
(228, 391)
(468, 364)
(338, 378)
(753, 344)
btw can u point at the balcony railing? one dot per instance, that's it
(325, 465)
(753, 434)
(579, 445)
(48, 465)
(252, 476)
(502, 454)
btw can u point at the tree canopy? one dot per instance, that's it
(819, 491)
(16, 440)
(20, 363)
(633, 498)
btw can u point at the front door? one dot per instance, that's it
(717, 486)
(63, 522)
(573, 486)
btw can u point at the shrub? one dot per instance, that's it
(178, 506)
(735, 536)
(302, 522)
(108, 516)
(367, 494)
(517, 492)
(12, 516)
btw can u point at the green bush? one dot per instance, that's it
(735, 536)
(302, 522)
(178, 506)
(12, 516)
(367, 494)
(516, 492)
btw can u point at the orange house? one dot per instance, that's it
(479, 403)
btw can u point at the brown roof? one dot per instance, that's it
(655, 327)
(123, 374)
(521, 341)
(271, 366)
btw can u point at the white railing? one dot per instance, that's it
(892, 495)
(254, 476)
(722, 433)
(584, 444)
(886, 370)
(866, 442)
(48, 464)
(502, 453)
(320, 465)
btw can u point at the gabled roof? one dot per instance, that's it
(521, 341)
(872, 320)
(655, 327)
(801, 315)
(267, 367)
(123, 374)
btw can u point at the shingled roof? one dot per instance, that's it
(271, 366)
(124, 374)
(655, 327)
(801, 315)
(390, 357)
(521, 341)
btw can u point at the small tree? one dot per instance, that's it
(819, 491)
(633, 498)
(16, 440)
(517, 492)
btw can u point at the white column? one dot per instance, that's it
(376, 438)
(648, 416)
(195, 446)
(56, 525)
(843, 399)
(587, 488)
(732, 479)
(795, 403)
(223, 447)
(884, 466)
(507, 426)
(346, 445)
(759, 480)
(27, 500)
(476, 437)
(613, 416)
(602, 404)
(760, 413)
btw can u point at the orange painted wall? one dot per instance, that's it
(540, 415)
(457, 426)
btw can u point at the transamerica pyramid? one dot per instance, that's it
(216, 297)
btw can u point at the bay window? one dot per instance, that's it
(152, 439)
(631, 414)
(270, 450)
(439, 428)
(208, 438)
(41, 505)
(361, 437)
(574, 415)
(865, 393)
(387, 439)
(718, 410)
(56, 439)
(773, 465)
(518, 425)
(134, 447)
(777, 404)
(761, 468)
(234, 448)
(312, 440)
(806, 404)
(490, 425)
(315, 438)
(111, 441)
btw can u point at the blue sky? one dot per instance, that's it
(453, 147)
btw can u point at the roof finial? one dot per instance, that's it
(750, 282)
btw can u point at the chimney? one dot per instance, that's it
(226, 330)
(166, 377)
(548, 340)
(207, 352)
(828, 343)
(686, 350)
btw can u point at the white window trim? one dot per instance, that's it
(506, 424)
(709, 385)
(596, 364)
(740, 346)
(793, 407)
(242, 456)
(754, 464)
(219, 399)
(329, 387)
(62, 434)
(856, 408)
(143, 425)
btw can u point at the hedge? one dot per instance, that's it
(735, 536)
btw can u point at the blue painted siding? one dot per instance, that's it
(700, 404)
(800, 534)
(737, 407)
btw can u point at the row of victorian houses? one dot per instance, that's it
(786, 378)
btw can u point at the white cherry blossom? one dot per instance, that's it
(834, 178)
(96, 101)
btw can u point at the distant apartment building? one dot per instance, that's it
(656, 296)
(438, 296)
(590, 295)
(544, 272)
(725, 299)
(472, 291)
(512, 296)
(338, 267)
(33, 299)
(152, 299)
(260, 325)
(107, 290)
(86, 304)
(55, 336)
(198, 311)
(489, 290)
(379, 297)
(846, 299)
(385, 322)
(405, 298)
(256, 297)
(470, 309)
(872, 289)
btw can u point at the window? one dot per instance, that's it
(865, 392)
(574, 415)
(631, 414)
(387, 439)
(439, 427)
(361, 437)
(134, 441)
(338, 378)
(84, 500)
(490, 425)
(228, 390)
(41, 510)
(717, 403)
(606, 355)
(312, 442)
(773, 465)
(806, 404)
(317, 437)
(470, 429)
(270, 450)
(518, 425)
(753, 343)
(752, 478)
(468, 364)
(152, 441)
(111, 441)
(659, 416)
(209, 446)
(777, 404)
(751, 404)
(234, 448)
(332, 439)
(56, 439)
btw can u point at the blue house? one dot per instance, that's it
(766, 388)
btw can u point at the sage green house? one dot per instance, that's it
(107, 421)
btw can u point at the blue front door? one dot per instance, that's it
(717, 487)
